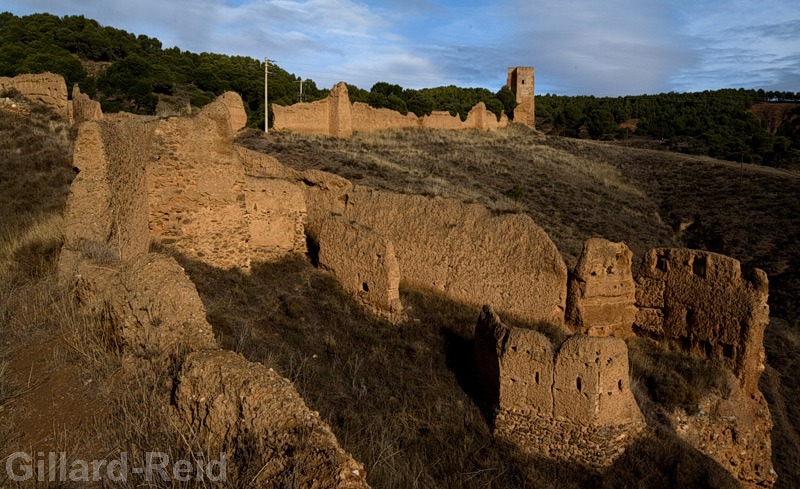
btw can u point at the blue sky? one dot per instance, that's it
(611, 47)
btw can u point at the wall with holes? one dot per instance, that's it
(704, 304)
(585, 382)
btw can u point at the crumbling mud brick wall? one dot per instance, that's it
(240, 407)
(308, 118)
(480, 118)
(83, 108)
(46, 88)
(195, 187)
(152, 310)
(276, 210)
(238, 116)
(106, 211)
(364, 263)
(466, 252)
(602, 293)
(573, 404)
(521, 82)
(703, 303)
(202, 202)
(514, 367)
(591, 385)
(336, 116)
(366, 118)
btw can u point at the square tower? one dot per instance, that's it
(521, 82)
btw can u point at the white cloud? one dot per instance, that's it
(614, 47)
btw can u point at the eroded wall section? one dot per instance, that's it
(703, 303)
(573, 404)
(602, 293)
(336, 116)
(466, 252)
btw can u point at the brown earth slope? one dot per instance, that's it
(580, 189)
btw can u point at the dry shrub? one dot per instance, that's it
(674, 379)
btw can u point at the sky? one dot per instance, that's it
(577, 47)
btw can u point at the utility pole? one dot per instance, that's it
(266, 99)
(301, 89)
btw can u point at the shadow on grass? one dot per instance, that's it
(401, 398)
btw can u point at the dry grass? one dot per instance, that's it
(579, 189)
(398, 398)
(510, 170)
(402, 398)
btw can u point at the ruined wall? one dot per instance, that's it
(735, 432)
(591, 383)
(514, 366)
(521, 82)
(335, 116)
(152, 312)
(83, 108)
(366, 118)
(704, 304)
(275, 214)
(305, 117)
(238, 116)
(441, 119)
(602, 293)
(107, 208)
(239, 407)
(575, 404)
(364, 263)
(202, 203)
(46, 88)
(464, 251)
(480, 118)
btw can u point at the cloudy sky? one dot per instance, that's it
(610, 47)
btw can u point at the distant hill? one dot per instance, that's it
(128, 72)
(133, 73)
(720, 123)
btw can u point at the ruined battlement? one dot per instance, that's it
(336, 116)
(602, 294)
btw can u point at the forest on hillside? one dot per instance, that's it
(714, 123)
(128, 72)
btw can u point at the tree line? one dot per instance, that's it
(138, 70)
(713, 123)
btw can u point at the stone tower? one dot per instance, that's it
(521, 83)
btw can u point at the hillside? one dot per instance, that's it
(576, 190)
(124, 71)
(399, 399)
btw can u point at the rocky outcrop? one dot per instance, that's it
(45, 88)
(704, 304)
(249, 411)
(602, 293)
(364, 263)
(572, 404)
(83, 108)
(336, 116)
